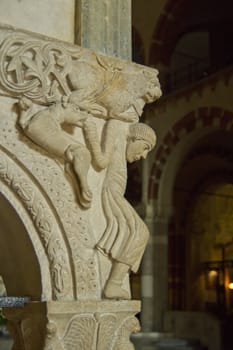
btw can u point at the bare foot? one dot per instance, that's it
(114, 291)
(25, 108)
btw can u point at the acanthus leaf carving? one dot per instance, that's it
(80, 333)
(106, 330)
(128, 326)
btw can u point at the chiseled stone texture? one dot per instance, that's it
(99, 325)
(54, 18)
(105, 26)
(69, 123)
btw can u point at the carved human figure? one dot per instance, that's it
(74, 86)
(126, 235)
(45, 129)
(45, 126)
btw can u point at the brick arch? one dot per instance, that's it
(167, 31)
(204, 117)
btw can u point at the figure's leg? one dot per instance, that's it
(80, 159)
(113, 288)
(44, 129)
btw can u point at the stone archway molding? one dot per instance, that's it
(17, 185)
(165, 34)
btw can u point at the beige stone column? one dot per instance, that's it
(147, 286)
(147, 267)
(160, 242)
(104, 26)
(154, 276)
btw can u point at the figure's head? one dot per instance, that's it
(141, 140)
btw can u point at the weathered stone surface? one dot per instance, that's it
(54, 18)
(99, 325)
(105, 26)
(69, 124)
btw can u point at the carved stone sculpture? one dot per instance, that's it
(125, 236)
(69, 126)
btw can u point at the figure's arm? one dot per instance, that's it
(101, 154)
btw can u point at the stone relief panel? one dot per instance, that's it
(98, 326)
(71, 117)
(48, 176)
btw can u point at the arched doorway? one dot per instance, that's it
(202, 214)
(19, 268)
(174, 177)
(209, 249)
(19, 265)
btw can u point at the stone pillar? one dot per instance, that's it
(104, 26)
(160, 258)
(147, 287)
(147, 267)
(155, 276)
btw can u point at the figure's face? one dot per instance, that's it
(137, 149)
(153, 93)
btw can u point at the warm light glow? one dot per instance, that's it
(230, 285)
(213, 274)
(211, 279)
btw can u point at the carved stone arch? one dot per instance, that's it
(20, 280)
(39, 235)
(165, 33)
(175, 21)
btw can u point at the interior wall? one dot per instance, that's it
(53, 18)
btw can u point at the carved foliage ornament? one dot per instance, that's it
(34, 69)
(100, 332)
(85, 331)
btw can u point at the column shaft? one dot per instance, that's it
(104, 26)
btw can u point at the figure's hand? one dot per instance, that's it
(97, 110)
(89, 124)
(75, 116)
